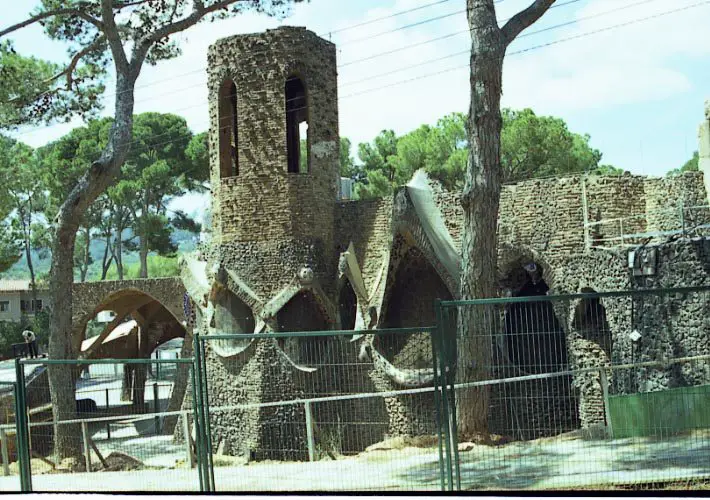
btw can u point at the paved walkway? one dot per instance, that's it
(552, 463)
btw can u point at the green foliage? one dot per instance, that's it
(22, 200)
(347, 162)
(531, 146)
(29, 93)
(691, 165)
(158, 267)
(542, 146)
(165, 161)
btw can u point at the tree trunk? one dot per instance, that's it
(119, 255)
(61, 380)
(144, 255)
(106, 261)
(138, 393)
(87, 255)
(480, 200)
(100, 175)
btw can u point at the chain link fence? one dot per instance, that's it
(585, 390)
(120, 424)
(592, 390)
(322, 411)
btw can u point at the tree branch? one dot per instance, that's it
(72, 11)
(69, 70)
(524, 18)
(198, 12)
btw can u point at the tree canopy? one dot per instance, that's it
(531, 146)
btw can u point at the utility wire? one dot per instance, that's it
(537, 47)
(521, 51)
(203, 69)
(432, 40)
(390, 16)
(525, 34)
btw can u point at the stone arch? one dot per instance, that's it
(297, 122)
(231, 316)
(515, 256)
(590, 321)
(228, 129)
(532, 340)
(157, 322)
(303, 313)
(590, 346)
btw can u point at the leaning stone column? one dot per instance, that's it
(704, 149)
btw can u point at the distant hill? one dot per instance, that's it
(185, 240)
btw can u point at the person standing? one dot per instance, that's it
(31, 341)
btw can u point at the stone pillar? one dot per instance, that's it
(704, 149)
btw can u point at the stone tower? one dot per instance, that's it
(274, 139)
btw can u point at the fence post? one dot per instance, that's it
(157, 365)
(202, 432)
(206, 413)
(108, 423)
(188, 439)
(309, 433)
(156, 406)
(87, 449)
(446, 419)
(21, 439)
(605, 395)
(437, 396)
(5, 455)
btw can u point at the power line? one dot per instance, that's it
(202, 69)
(536, 47)
(432, 40)
(525, 34)
(521, 51)
(455, 68)
(390, 16)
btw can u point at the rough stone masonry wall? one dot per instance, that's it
(368, 224)
(265, 202)
(665, 197)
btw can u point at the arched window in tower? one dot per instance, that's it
(297, 143)
(228, 157)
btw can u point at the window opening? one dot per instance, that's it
(228, 138)
(297, 143)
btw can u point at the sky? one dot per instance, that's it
(638, 89)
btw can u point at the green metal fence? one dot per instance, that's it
(122, 422)
(308, 411)
(523, 393)
(12, 443)
(577, 390)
